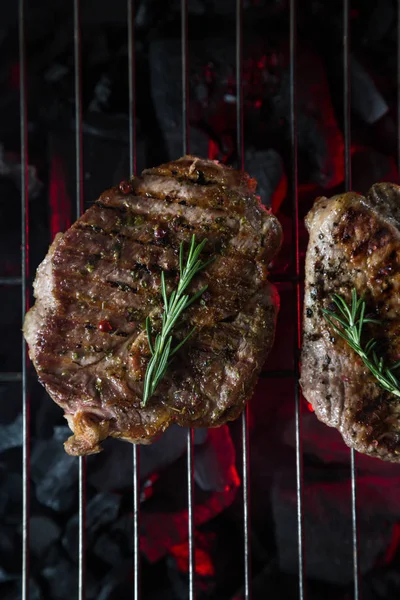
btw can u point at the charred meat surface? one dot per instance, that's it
(354, 244)
(101, 279)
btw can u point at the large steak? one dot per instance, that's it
(101, 279)
(354, 244)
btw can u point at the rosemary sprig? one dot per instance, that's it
(352, 320)
(161, 349)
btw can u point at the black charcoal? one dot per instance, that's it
(266, 166)
(101, 511)
(54, 472)
(10, 548)
(11, 435)
(10, 495)
(43, 532)
(61, 577)
(13, 591)
(10, 166)
(117, 583)
(366, 99)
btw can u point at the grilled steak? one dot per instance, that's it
(354, 243)
(101, 279)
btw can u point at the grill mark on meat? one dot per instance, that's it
(210, 197)
(152, 207)
(124, 255)
(105, 270)
(215, 241)
(123, 287)
(215, 224)
(227, 272)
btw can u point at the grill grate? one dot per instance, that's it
(24, 303)
(297, 303)
(79, 210)
(294, 278)
(132, 161)
(347, 180)
(245, 427)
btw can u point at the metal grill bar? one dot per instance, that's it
(24, 303)
(239, 84)
(10, 377)
(346, 95)
(348, 186)
(190, 433)
(132, 162)
(354, 523)
(245, 414)
(297, 307)
(190, 491)
(185, 78)
(10, 280)
(79, 211)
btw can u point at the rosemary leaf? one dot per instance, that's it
(352, 320)
(161, 349)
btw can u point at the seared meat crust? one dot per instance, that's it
(354, 243)
(101, 279)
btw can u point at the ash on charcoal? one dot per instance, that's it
(54, 472)
(9, 410)
(101, 511)
(43, 532)
(266, 166)
(10, 166)
(366, 100)
(328, 525)
(11, 435)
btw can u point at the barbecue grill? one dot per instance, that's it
(292, 276)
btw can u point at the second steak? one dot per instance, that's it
(354, 245)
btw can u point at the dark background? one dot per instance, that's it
(212, 89)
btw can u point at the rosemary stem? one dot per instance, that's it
(352, 320)
(161, 350)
